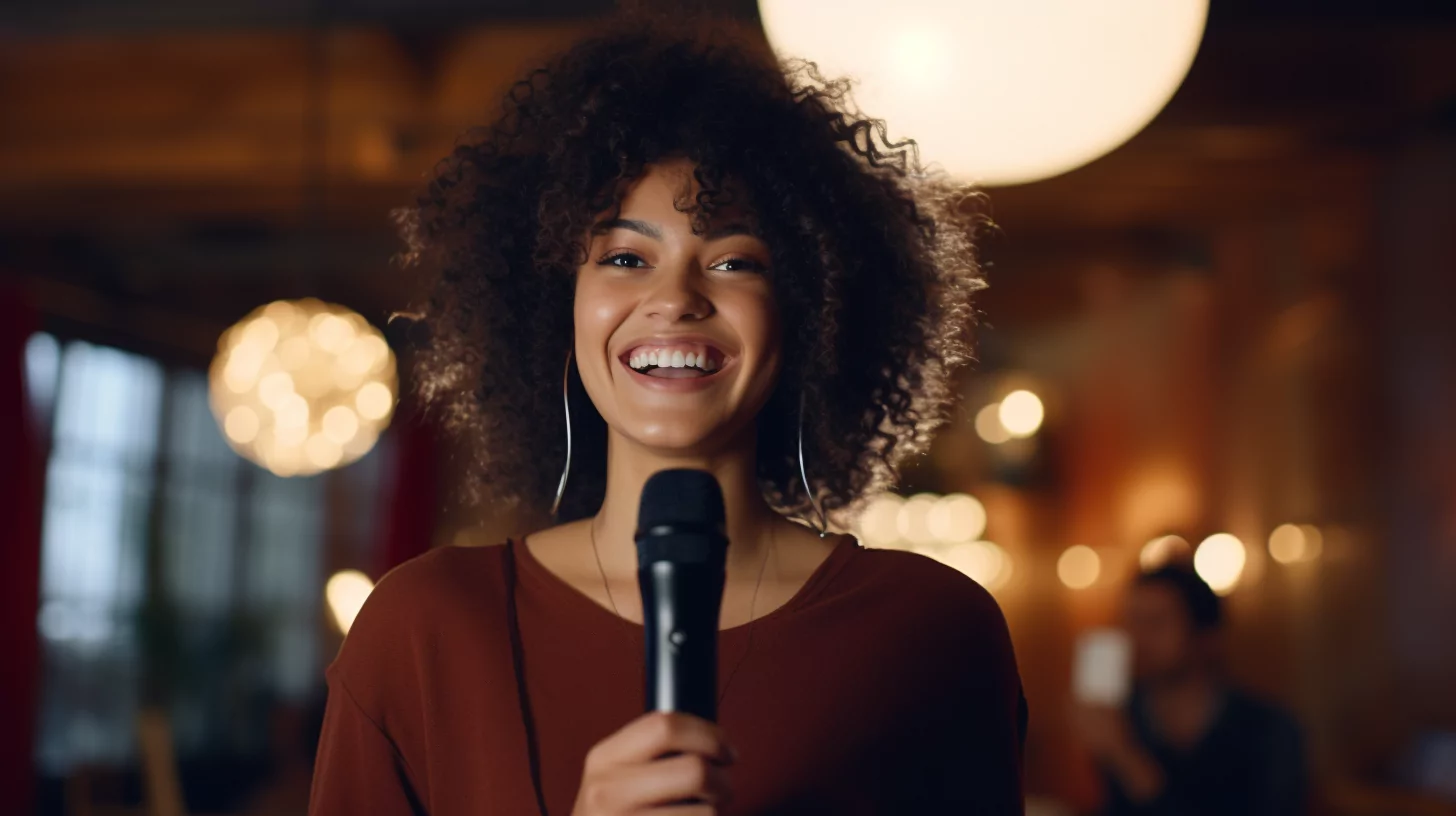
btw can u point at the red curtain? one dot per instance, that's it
(21, 471)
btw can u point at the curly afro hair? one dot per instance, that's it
(873, 265)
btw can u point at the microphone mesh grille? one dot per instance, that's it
(680, 496)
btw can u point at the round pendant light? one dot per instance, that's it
(302, 386)
(1000, 92)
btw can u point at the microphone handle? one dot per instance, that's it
(680, 604)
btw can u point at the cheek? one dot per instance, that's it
(755, 318)
(596, 313)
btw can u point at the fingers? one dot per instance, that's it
(671, 763)
(656, 734)
(683, 781)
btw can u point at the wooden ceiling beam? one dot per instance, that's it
(156, 127)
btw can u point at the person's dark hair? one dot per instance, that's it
(873, 267)
(1205, 610)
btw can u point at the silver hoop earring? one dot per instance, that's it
(565, 406)
(804, 475)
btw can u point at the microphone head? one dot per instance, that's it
(682, 555)
(681, 519)
(678, 497)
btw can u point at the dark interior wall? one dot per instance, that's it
(1418, 431)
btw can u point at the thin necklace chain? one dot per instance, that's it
(752, 603)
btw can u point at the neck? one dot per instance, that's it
(1183, 710)
(630, 464)
(1193, 685)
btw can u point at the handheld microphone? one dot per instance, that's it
(681, 555)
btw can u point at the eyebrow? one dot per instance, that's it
(735, 228)
(652, 231)
(643, 227)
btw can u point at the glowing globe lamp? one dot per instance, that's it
(1000, 92)
(302, 386)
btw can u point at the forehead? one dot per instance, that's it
(666, 192)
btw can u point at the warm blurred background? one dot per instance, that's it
(1240, 322)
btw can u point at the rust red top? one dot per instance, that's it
(887, 684)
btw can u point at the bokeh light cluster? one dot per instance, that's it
(1079, 566)
(946, 528)
(302, 386)
(1018, 415)
(1295, 543)
(1220, 561)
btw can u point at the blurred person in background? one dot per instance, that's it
(1188, 742)
(731, 268)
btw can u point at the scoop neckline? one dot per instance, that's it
(558, 587)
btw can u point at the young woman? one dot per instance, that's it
(739, 274)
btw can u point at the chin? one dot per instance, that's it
(672, 439)
(687, 437)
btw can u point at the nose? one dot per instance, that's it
(678, 294)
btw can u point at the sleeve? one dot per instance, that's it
(359, 769)
(959, 746)
(983, 774)
(370, 758)
(999, 754)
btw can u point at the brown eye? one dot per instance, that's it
(623, 260)
(738, 265)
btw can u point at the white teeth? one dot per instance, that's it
(663, 358)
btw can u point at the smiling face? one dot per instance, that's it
(677, 335)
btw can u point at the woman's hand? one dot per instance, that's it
(660, 763)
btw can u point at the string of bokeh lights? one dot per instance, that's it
(950, 528)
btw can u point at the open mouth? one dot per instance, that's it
(675, 361)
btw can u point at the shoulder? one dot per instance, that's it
(439, 580)
(921, 583)
(418, 608)
(944, 627)
(445, 568)
(923, 595)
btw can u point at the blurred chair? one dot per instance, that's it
(159, 764)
